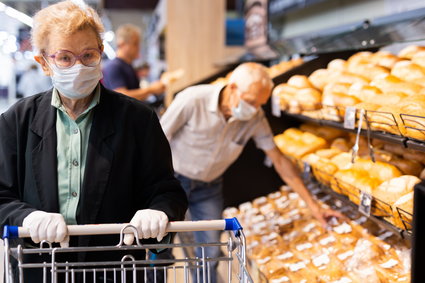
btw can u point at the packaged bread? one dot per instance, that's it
(409, 51)
(409, 71)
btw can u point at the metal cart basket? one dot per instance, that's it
(128, 268)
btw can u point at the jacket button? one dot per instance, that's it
(75, 163)
(74, 194)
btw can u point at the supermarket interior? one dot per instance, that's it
(302, 119)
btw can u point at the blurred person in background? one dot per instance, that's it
(33, 81)
(207, 127)
(81, 153)
(119, 74)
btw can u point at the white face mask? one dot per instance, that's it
(76, 82)
(244, 111)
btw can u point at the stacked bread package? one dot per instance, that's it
(287, 244)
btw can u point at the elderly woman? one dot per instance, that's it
(80, 153)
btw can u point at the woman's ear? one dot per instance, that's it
(40, 60)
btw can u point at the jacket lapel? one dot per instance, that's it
(44, 159)
(99, 161)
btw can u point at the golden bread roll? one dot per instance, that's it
(339, 99)
(367, 70)
(409, 71)
(300, 81)
(337, 87)
(385, 59)
(359, 58)
(328, 153)
(412, 126)
(342, 161)
(390, 83)
(295, 143)
(403, 211)
(391, 190)
(409, 51)
(323, 170)
(387, 119)
(308, 98)
(419, 58)
(320, 78)
(324, 132)
(382, 170)
(337, 65)
(347, 77)
(388, 98)
(341, 144)
(364, 92)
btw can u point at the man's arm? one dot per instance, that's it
(289, 173)
(155, 88)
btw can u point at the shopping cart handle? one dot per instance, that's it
(229, 224)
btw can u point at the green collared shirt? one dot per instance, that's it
(72, 144)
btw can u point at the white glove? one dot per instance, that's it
(47, 226)
(149, 223)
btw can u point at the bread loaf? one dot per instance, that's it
(337, 65)
(413, 116)
(403, 211)
(409, 51)
(320, 78)
(390, 83)
(300, 81)
(385, 59)
(409, 71)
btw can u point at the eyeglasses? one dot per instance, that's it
(66, 59)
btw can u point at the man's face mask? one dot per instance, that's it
(244, 111)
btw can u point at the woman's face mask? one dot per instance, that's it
(244, 111)
(76, 82)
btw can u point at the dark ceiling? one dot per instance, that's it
(149, 4)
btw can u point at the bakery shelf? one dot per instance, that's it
(322, 192)
(416, 145)
(373, 134)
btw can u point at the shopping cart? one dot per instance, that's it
(128, 268)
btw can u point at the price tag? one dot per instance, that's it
(276, 105)
(350, 118)
(365, 203)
